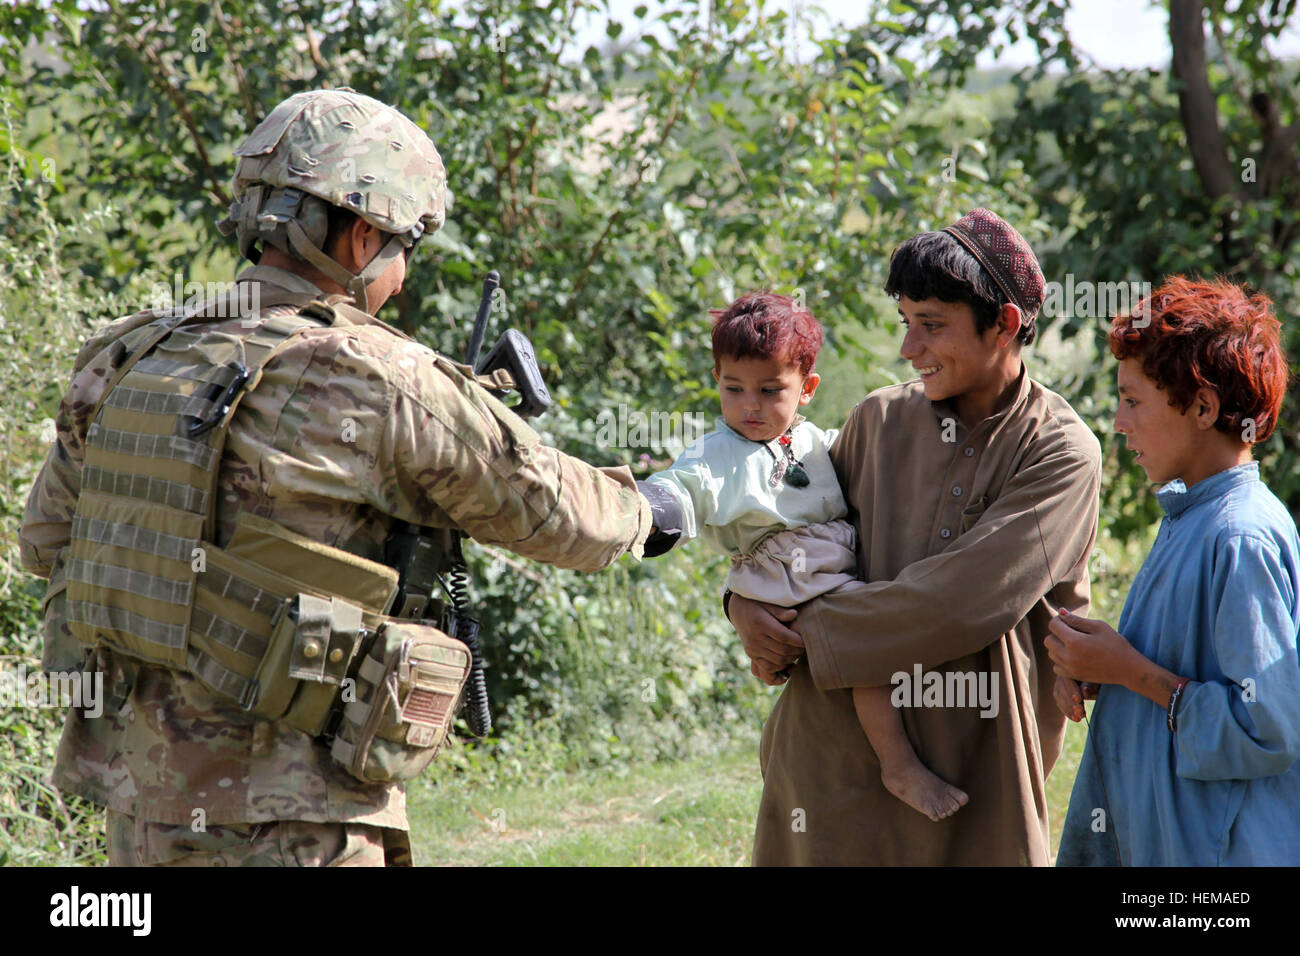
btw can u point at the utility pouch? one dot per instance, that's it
(407, 685)
(306, 665)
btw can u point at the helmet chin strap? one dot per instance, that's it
(355, 284)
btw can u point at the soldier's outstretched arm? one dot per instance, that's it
(449, 454)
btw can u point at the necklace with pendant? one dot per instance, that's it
(786, 468)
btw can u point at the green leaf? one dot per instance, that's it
(71, 21)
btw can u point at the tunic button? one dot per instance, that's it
(956, 491)
(945, 533)
(968, 452)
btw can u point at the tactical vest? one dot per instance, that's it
(289, 628)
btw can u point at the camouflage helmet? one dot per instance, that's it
(340, 148)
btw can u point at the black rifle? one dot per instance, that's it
(422, 556)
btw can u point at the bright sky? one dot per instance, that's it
(1115, 33)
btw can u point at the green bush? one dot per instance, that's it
(47, 307)
(635, 663)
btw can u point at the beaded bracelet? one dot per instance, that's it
(1171, 716)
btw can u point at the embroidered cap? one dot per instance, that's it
(1004, 253)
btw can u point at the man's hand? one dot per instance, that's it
(1084, 649)
(771, 646)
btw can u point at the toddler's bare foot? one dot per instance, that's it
(921, 790)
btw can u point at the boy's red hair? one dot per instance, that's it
(1192, 334)
(765, 325)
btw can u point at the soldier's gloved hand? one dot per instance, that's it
(666, 514)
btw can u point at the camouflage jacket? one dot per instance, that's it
(350, 427)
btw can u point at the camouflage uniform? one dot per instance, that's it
(350, 428)
(136, 842)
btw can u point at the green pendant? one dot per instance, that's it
(796, 477)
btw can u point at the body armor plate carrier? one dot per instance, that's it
(287, 627)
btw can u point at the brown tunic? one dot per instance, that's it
(966, 546)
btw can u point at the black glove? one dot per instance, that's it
(667, 518)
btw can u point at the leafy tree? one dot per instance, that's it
(1141, 173)
(621, 190)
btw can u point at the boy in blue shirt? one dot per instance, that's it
(1192, 754)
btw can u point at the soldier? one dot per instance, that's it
(214, 512)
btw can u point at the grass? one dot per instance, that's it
(38, 825)
(682, 813)
(685, 813)
(1061, 780)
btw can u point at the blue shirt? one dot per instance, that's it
(1215, 601)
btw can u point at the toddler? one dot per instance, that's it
(761, 488)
